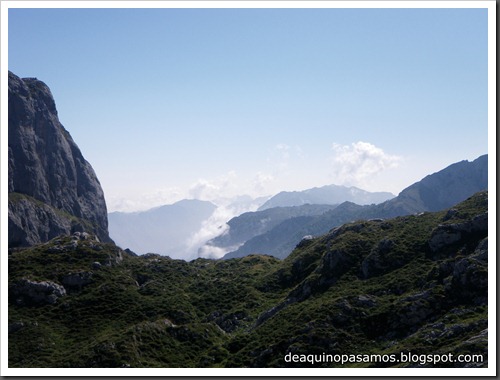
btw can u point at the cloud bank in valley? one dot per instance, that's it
(217, 225)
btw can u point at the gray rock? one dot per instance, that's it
(481, 252)
(447, 234)
(466, 278)
(52, 189)
(27, 292)
(274, 310)
(365, 300)
(151, 255)
(415, 309)
(455, 330)
(470, 279)
(114, 259)
(443, 236)
(374, 263)
(480, 222)
(32, 222)
(77, 280)
(450, 214)
(335, 263)
(482, 337)
(230, 322)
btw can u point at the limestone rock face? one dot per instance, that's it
(448, 234)
(28, 292)
(53, 190)
(77, 280)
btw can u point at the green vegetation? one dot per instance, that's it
(368, 287)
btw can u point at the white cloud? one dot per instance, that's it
(220, 190)
(217, 225)
(357, 164)
(203, 190)
(225, 188)
(211, 190)
(214, 226)
(261, 182)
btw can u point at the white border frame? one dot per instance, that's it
(490, 5)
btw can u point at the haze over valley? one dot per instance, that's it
(181, 230)
(190, 229)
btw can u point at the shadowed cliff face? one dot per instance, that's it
(53, 190)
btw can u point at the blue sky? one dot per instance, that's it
(179, 103)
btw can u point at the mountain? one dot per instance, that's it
(327, 195)
(52, 189)
(250, 224)
(241, 202)
(280, 240)
(440, 190)
(165, 230)
(403, 292)
(434, 192)
(276, 210)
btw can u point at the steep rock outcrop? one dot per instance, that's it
(447, 234)
(28, 292)
(53, 190)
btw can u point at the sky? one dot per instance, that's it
(169, 104)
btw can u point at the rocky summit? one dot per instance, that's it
(53, 190)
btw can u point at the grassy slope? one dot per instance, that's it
(345, 293)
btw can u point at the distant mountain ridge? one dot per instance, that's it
(435, 192)
(164, 230)
(52, 189)
(285, 206)
(281, 239)
(250, 224)
(445, 188)
(327, 195)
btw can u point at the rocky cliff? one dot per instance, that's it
(53, 190)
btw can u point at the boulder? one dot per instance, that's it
(365, 300)
(447, 234)
(33, 293)
(230, 322)
(76, 281)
